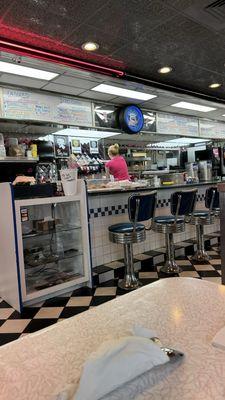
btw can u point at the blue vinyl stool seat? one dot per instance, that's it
(182, 203)
(168, 219)
(200, 218)
(141, 207)
(125, 227)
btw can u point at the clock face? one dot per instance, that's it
(133, 118)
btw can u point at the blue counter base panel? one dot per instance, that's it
(106, 278)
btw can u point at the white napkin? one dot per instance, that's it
(117, 362)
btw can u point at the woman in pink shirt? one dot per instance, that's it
(117, 165)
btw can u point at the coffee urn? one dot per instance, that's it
(205, 170)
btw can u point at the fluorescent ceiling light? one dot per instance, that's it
(117, 91)
(178, 142)
(16, 69)
(86, 133)
(192, 106)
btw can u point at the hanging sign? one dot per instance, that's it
(61, 146)
(93, 146)
(131, 119)
(76, 145)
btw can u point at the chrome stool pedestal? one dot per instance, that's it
(170, 266)
(200, 218)
(200, 254)
(140, 208)
(129, 281)
(169, 225)
(182, 204)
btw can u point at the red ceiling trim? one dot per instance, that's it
(24, 50)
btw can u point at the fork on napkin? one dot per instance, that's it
(117, 362)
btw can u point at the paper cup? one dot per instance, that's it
(69, 181)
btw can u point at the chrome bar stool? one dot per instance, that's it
(200, 218)
(182, 203)
(141, 207)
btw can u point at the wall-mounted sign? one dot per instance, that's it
(177, 124)
(76, 145)
(149, 121)
(212, 129)
(93, 146)
(19, 104)
(131, 119)
(105, 116)
(61, 146)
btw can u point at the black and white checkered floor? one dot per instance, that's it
(13, 325)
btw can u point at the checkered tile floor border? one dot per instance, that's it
(13, 325)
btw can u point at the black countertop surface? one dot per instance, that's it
(147, 188)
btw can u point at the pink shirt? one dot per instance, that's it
(118, 168)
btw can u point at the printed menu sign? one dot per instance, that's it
(72, 111)
(177, 124)
(210, 129)
(25, 105)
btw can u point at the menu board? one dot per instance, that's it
(177, 124)
(211, 129)
(25, 105)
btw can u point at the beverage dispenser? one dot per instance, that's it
(205, 170)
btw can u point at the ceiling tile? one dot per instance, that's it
(130, 19)
(108, 43)
(76, 82)
(53, 87)
(5, 6)
(36, 17)
(21, 81)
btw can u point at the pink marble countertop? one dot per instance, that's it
(185, 312)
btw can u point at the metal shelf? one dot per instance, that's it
(138, 159)
(18, 160)
(37, 234)
(34, 268)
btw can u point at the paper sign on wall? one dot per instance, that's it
(93, 146)
(76, 145)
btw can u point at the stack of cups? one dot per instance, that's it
(69, 181)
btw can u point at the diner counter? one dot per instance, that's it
(108, 207)
(185, 313)
(105, 191)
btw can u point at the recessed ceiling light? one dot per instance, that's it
(215, 85)
(90, 46)
(192, 106)
(165, 70)
(26, 71)
(117, 91)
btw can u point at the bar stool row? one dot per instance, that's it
(141, 208)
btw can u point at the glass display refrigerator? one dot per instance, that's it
(44, 247)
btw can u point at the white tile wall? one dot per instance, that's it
(103, 251)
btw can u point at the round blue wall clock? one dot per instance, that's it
(131, 119)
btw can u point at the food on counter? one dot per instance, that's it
(24, 179)
(168, 183)
(105, 184)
